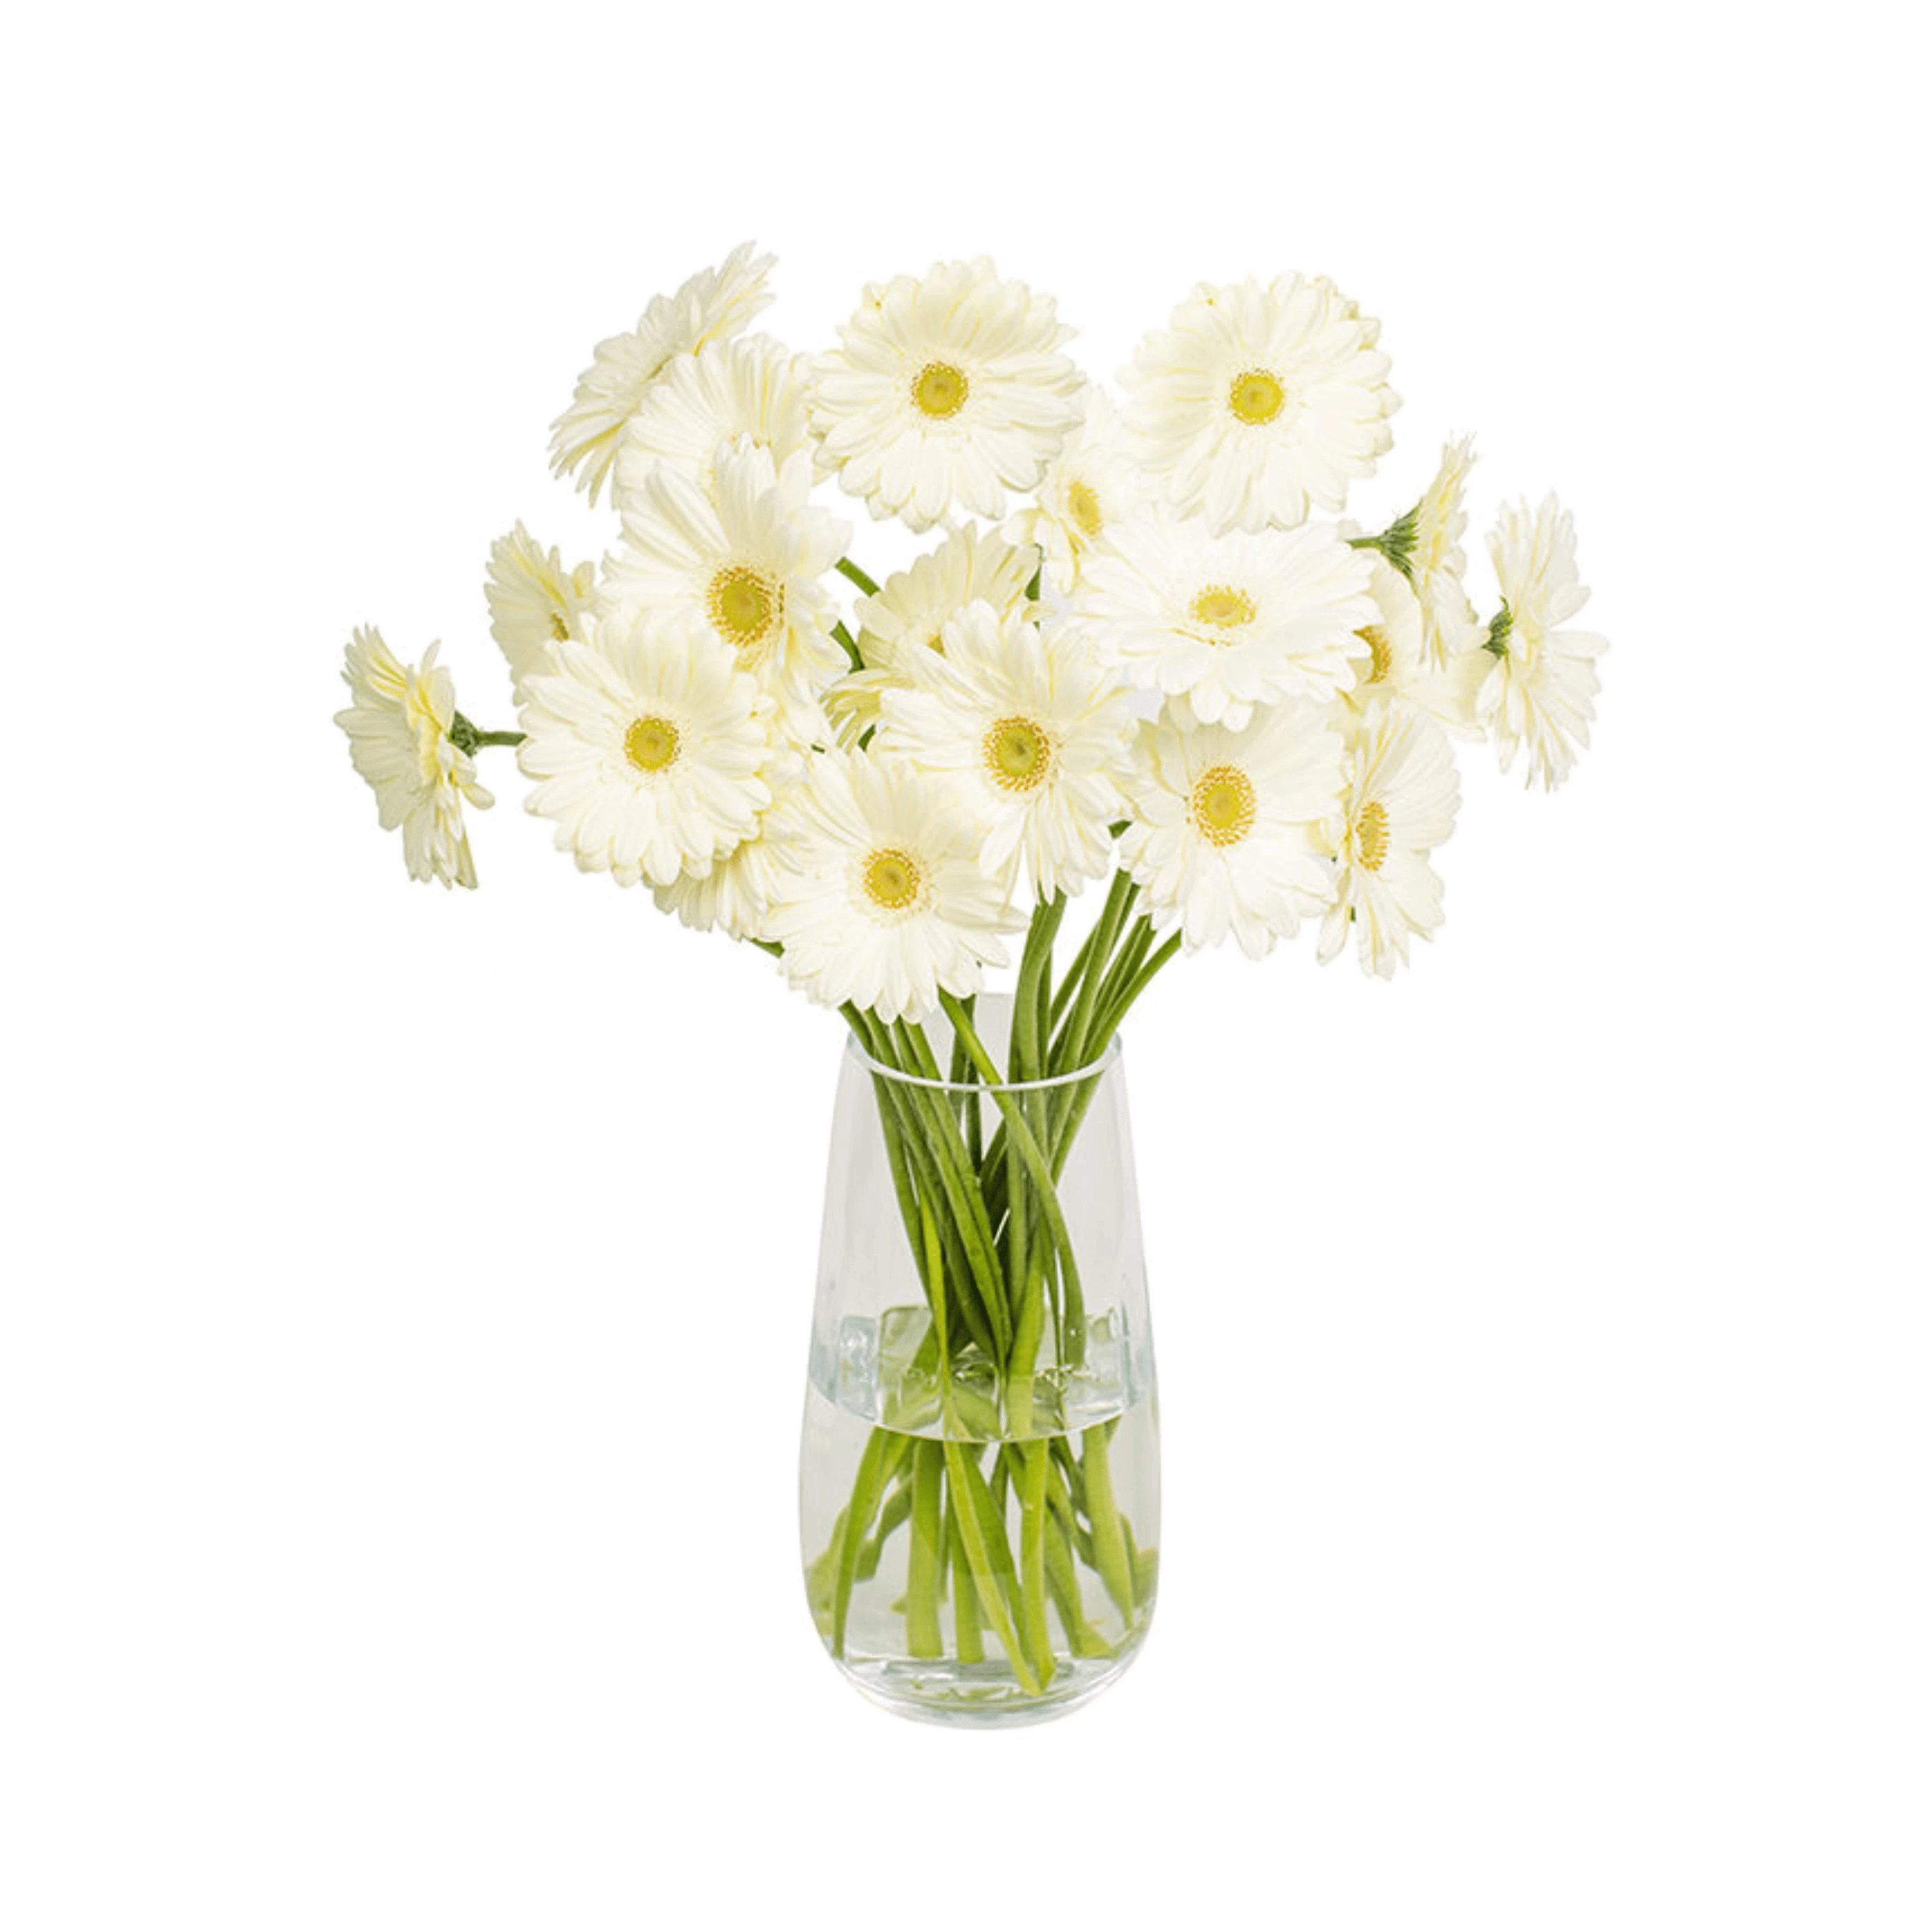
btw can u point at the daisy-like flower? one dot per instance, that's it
(1228, 622)
(536, 601)
(1539, 695)
(1226, 832)
(754, 390)
(1399, 805)
(714, 305)
(1395, 669)
(1257, 403)
(734, 896)
(744, 568)
(649, 748)
(947, 391)
(1031, 730)
(1088, 488)
(884, 902)
(399, 729)
(1450, 626)
(907, 618)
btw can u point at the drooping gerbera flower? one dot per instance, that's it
(907, 616)
(947, 392)
(536, 601)
(1539, 695)
(714, 305)
(650, 748)
(1399, 805)
(1032, 730)
(1225, 833)
(399, 740)
(1437, 563)
(1258, 403)
(1395, 668)
(883, 901)
(1088, 490)
(745, 568)
(1228, 621)
(753, 391)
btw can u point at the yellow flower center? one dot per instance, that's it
(893, 879)
(1371, 835)
(746, 607)
(1225, 608)
(559, 629)
(1381, 659)
(1223, 805)
(1255, 397)
(1084, 508)
(939, 390)
(1018, 754)
(651, 744)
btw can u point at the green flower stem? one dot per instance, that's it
(923, 1564)
(1032, 1554)
(1019, 1134)
(867, 1488)
(1063, 1581)
(1064, 993)
(848, 569)
(966, 1623)
(1070, 1051)
(850, 648)
(1110, 1547)
(467, 738)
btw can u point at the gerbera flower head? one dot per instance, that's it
(1031, 729)
(649, 748)
(714, 305)
(1539, 697)
(752, 391)
(745, 567)
(947, 392)
(536, 601)
(907, 617)
(1400, 804)
(1260, 403)
(1225, 831)
(1228, 621)
(1089, 488)
(1437, 563)
(399, 730)
(884, 902)
(1395, 667)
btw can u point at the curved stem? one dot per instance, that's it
(848, 569)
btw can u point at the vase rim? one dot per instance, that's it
(1091, 1071)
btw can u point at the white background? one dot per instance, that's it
(407, 1292)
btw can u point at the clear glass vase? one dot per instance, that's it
(980, 1484)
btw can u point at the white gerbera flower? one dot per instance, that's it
(1400, 805)
(734, 896)
(536, 601)
(1226, 829)
(650, 748)
(1450, 626)
(714, 305)
(399, 729)
(754, 390)
(1088, 488)
(947, 391)
(884, 902)
(1228, 621)
(1539, 695)
(1257, 403)
(745, 568)
(1032, 731)
(907, 617)
(1395, 668)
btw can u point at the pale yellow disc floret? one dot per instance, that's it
(1018, 754)
(1084, 507)
(1223, 607)
(1221, 805)
(939, 390)
(746, 607)
(1255, 397)
(893, 878)
(1381, 657)
(1371, 835)
(652, 744)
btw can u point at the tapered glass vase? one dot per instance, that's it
(980, 1476)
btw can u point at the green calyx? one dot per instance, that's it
(1396, 543)
(1497, 643)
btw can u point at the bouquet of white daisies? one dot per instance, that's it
(1141, 652)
